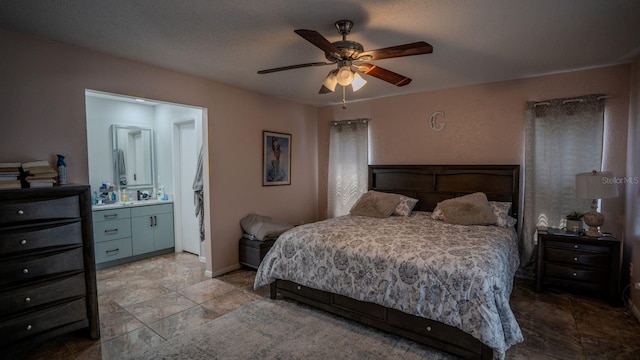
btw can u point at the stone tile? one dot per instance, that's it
(131, 295)
(159, 307)
(230, 301)
(206, 290)
(242, 278)
(123, 346)
(117, 323)
(182, 279)
(183, 321)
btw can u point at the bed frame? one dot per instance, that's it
(430, 184)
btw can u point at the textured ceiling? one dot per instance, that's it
(474, 41)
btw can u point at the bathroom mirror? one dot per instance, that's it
(132, 156)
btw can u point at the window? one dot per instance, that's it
(563, 137)
(348, 164)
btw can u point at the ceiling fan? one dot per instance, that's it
(351, 59)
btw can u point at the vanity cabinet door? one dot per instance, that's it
(164, 231)
(142, 234)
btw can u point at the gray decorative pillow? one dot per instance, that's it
(405, 206)
(472, 209)
(501, 211)
(375, 204)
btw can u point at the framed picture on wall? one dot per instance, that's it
(276, 158)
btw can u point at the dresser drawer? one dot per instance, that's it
(576, 246)
(596, 260)
(29, 297)
(111, 230)
(113, 250)
(576, 273)
(32, 324)
(110, 215)
(40, 237)
(39, 209)
(30, 268)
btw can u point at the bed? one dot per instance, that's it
(452, 294)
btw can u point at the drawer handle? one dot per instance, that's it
(29, 327)
(429, 328)
(575, 259)
(27, 299)
(23, 242)
(575, 246)
(109, 231)
(299, 288)
(112, 251)
(574, 274)
(111, 216)
(20, 212)
(25, 271)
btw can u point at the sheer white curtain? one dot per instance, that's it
(563, 137)
(348, 164)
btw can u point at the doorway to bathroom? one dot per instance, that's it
(178, 135)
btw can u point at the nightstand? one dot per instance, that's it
(570, 261)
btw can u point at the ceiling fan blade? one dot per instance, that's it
(318, 40)
(416, 48)
(267, 71)
(384, 74)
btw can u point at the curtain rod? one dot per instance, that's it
(348, 122)
(570, 100)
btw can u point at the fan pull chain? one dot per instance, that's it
(344, 101)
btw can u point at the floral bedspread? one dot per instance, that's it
(459, 275)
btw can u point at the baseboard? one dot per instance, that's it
(222, 271)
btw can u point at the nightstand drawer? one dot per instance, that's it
(576, 273)
(596, 260)
(577, 246)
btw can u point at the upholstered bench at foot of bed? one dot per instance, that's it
(253, 251)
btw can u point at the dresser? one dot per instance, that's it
(573, 262)
(47, 265)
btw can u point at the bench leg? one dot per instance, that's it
(274, 291)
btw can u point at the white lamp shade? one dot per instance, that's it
(358, 82)
(331, 81)
(345, 76)
(596, 185)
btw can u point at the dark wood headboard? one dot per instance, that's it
(433, 183)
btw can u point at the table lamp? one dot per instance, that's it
(595, 185)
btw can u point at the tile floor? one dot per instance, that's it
(144, 303)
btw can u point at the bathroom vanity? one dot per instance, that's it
(130, 231)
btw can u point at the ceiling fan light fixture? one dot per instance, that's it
(345, 75)
(331, 80)
(358, 82)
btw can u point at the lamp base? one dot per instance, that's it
(593, 232)
(594, 219)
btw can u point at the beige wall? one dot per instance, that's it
(484, 124)
(632, 245)
(42, 113)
